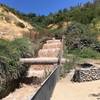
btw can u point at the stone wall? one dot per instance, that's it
(86, 74)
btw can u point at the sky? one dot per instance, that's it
(41, 7)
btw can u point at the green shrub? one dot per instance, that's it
(86, 53)
(10, 67)
(89, 53)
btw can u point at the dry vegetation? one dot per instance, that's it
(12, 27)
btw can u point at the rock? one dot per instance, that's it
(82, 75)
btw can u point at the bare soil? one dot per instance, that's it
(24, 93)
(67, 90)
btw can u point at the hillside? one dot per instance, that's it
(11, 26)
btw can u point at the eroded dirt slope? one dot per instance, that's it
(12, 27)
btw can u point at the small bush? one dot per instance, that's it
(89, 53)
(10, 67)
(73, 60)
(86, 53)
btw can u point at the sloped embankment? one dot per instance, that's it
(12, 27)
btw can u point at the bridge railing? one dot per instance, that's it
(47, 87)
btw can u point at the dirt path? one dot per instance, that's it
(66, 90)
(24, 93)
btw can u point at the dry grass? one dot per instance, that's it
(9, 27)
